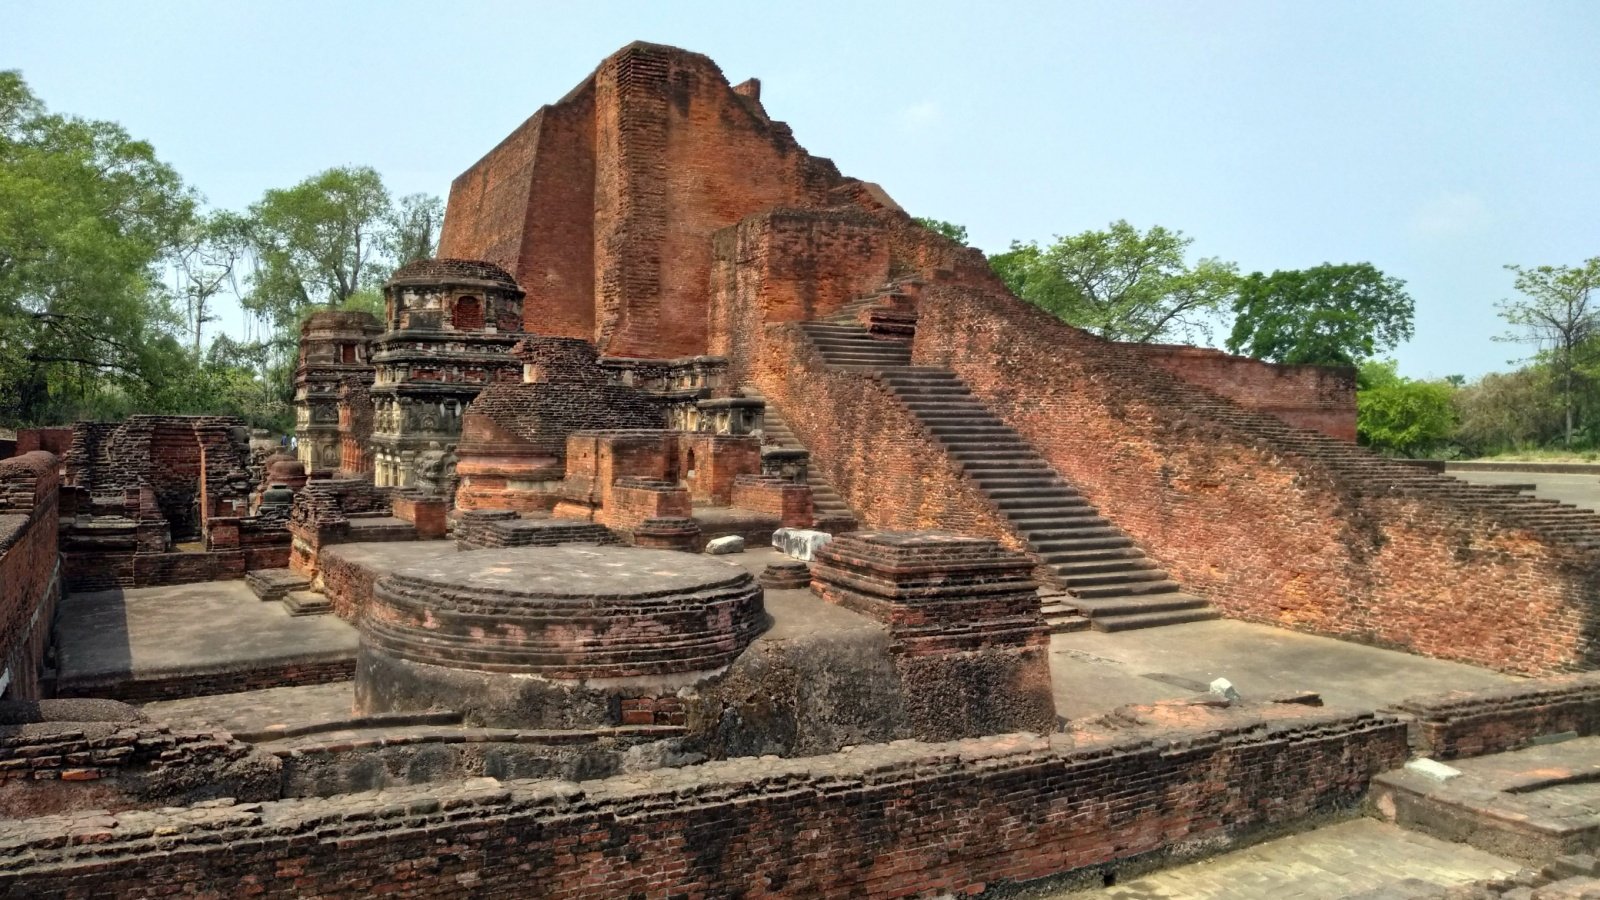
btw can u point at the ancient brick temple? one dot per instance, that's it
(466, 643)
(449, 324)
(335, 348)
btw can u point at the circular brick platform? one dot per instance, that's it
(469, 630)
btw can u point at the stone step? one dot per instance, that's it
(1069, 517)
(990, 466)
(305, 603)
(1125, 606)
(1020, 481)
(1079, 579)
(1067, 549)
(273, 584)
(1153, 619)
(1058, 492)
(1058, 551)
(1085, 525)
(1112, 564)
(1138, 589)
(1056, 558)
(1067, 624)
(1007, 454)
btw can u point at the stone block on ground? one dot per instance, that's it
(800, 543)
(731, 543)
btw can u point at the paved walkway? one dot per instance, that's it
(1094, 672)
(1326, 864)
(1579, 490)
(165, 631)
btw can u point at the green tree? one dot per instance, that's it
(206, 263)
(86, 214)
(1401, 415)
(1326, 315)
(1121, 283)
(1559, 312)
(1508, 411)
(951, 230)
(317, 243)
(413, 226)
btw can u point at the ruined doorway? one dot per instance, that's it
(174, 477)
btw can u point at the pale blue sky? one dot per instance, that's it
(1437, 140)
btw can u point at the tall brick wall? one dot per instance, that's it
(1270, 524)
(1322, 398)
(30, 577)
(528, 206)
(603, 204)
(896, 820)
(789, 265)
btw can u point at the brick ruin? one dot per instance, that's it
(335, 357)
(657, 321)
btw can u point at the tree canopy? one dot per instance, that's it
(1121, 283)
(1559, 312)
(951, 230)
(318, 242)
(86, 214)
(1402, 415)
(1326, 315)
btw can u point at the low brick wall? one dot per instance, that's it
(1317, 397)
(63, 755)
(895, 820)
(1474, 723)
(30, 576)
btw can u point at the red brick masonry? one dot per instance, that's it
(893, 820)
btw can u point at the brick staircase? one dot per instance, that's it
(1111, 584)
(833, 514)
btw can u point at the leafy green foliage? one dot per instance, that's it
(1121, 283)
(951, 230)
(1508, 411)
(413, 228)
(1326, 315)
(1400, 415)
(317, 243)
(86, 213)
(1559, 311)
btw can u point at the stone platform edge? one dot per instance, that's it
(1474, 723)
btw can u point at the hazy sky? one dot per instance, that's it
(1437, 140)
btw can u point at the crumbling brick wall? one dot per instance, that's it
(1271, 524)
(889, 820)
(789, 265)
(64, 755)
(1322, 398)
(30, 577)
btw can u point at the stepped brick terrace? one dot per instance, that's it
(697, 524)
